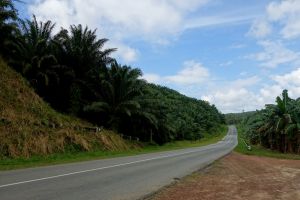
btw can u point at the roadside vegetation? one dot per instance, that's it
(55, 85)
(67, 157)
(259, 150)
(28, 126)
(273, 131)
(237, 118)
(277, 127)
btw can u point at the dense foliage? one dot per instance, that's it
(75, 74)
(276, 127)
(237, 118)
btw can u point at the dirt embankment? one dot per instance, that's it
(29, 126)
(239, 177)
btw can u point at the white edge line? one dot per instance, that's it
(96, 169)
(100, 168)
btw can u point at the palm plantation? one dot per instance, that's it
(32, 54)
(83, 57)
(118, 94)
(277, 126)
(75, 73)
(8, 25)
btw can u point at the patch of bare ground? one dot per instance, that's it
(239, 177)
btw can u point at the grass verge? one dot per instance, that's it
(60, 158)
(259, 150)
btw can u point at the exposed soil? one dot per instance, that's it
(239, 177)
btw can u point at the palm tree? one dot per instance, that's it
(36, 38)
(33, 53)
(283, 118)
(278, 125)
(81, 50)
(292, 130)
(83, 54)
(8, 25)
(118, 94)
(267, 127)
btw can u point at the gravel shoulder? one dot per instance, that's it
(239, 177)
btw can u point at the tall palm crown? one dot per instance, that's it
(37, 36)
(33, 51)
(118, 92)
(277, 126)
(81, 50)
(8, 25)
(82, 53)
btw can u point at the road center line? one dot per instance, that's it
(102, 168)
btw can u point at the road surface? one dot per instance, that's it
(122, 178)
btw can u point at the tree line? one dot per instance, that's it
(276, 127)
(74, 72)
(237, 118)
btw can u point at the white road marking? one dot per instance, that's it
(101, 168)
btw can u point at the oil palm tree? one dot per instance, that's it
(278, 125)
(292, 130)
(118, 94)
(33, 54)
(283, 118)
(8, 25)
(81, 51)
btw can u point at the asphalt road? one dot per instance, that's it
(125, 178)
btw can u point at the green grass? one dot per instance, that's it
(259, 150)
(35, 161)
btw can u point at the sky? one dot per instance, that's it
(238, 55)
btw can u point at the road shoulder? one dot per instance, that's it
(238, 176)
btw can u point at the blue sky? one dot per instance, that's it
(236, 54)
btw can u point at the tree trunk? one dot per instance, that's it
(151, 136)
(271, 141)
(285, 144)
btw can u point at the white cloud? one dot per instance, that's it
(287, 14)
(205, 21)
(126, 53)
(149, 19)
(284, 17)
(246, 82)
(191, 73)
(57, 11)
(275, 54)
(226, 64)
(246, 94)
(152, 20)
(268, 93)
(244, 73)
(292, 78)
(290, 81)
(260, 29)
(235, 96)
(237, 46)
(157, 21)
(152, 78)
(234, 100)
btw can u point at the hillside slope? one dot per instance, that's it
(29, 126)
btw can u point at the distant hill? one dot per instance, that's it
(236, 118)
(29, 126)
